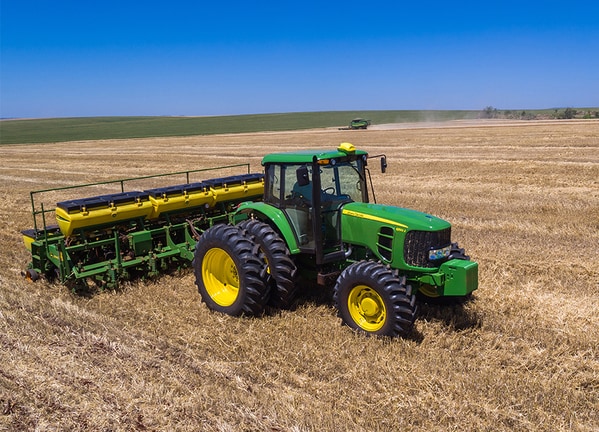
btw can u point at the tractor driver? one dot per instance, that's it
(303, 187)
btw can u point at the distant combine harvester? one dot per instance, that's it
(357, 123)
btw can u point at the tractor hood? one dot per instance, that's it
(360, 216)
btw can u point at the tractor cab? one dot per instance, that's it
(310, 188)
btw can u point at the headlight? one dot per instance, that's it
(437, 254)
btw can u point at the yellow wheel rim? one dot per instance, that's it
(367, 308)
(428, 291)
(220, 276)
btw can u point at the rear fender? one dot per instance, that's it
(272, 216)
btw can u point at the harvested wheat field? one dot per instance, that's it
(523, 199)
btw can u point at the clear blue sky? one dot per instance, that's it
(96, 58)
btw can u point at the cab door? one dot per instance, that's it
(283, 192)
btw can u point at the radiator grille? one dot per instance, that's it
(419, 243)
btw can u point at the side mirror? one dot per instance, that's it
(383, 163)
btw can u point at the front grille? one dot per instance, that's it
(419, 243)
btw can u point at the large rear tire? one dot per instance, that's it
(281, 269)
(370, 297)
(229, 275)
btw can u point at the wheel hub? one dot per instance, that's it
(367, 308)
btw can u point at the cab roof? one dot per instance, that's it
(307, 156)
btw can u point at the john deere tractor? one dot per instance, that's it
(254, 239)
(316, 218)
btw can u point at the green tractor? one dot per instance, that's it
(316, 218)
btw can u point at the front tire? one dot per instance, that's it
(229, 275)
(371, 298)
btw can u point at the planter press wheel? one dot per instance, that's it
(31, 275)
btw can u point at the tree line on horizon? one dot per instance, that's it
(491, 112)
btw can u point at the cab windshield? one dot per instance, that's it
(342, 180)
